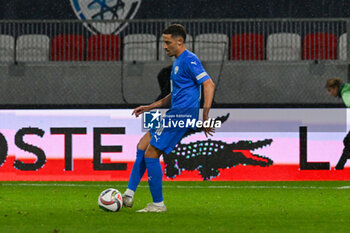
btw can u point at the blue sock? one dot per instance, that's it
(138, 170)
(155, 176)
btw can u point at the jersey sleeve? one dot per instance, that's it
(197, 71)
(346, 99)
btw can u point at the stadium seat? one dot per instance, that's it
(103, 48)
(140, 47)
(7, 48)
(211, 47)
(162, 54)
(283, 47)
(247, 47)
(68, 48)
(320, 46)
(342, 55)
(32, 48)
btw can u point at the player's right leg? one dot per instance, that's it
(138, 170)
(163, 141)
(155, 175)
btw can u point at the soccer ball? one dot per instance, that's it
(110, 200)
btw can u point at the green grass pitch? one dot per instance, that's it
(192, 207)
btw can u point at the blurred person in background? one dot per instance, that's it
(337, 88)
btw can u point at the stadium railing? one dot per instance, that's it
(212, 40)
(252, 61)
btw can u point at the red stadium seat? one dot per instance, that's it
(68, 48)
(320, 46)
(103, 48)
(247, 47)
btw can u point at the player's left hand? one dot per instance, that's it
(208, 130)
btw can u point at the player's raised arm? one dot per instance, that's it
(158, 104)
(208, 89)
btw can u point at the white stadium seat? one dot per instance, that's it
(33, 48)
(162, 54)
(283, 47)
(7, 48)
(342, 47)
(140, 47)
(211, 47)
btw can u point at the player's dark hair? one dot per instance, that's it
(176, 30)
(333, 82)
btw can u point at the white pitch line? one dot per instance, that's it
(344, 187)
(174, 186)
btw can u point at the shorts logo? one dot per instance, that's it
(155, 136)
(176, 69)
(151, 120)
(105, 10)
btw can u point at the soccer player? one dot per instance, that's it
(187, 76)
(337, 88)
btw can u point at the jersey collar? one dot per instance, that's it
(182, 54)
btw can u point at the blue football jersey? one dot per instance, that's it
(186, 78)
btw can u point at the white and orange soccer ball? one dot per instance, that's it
(110, 200)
